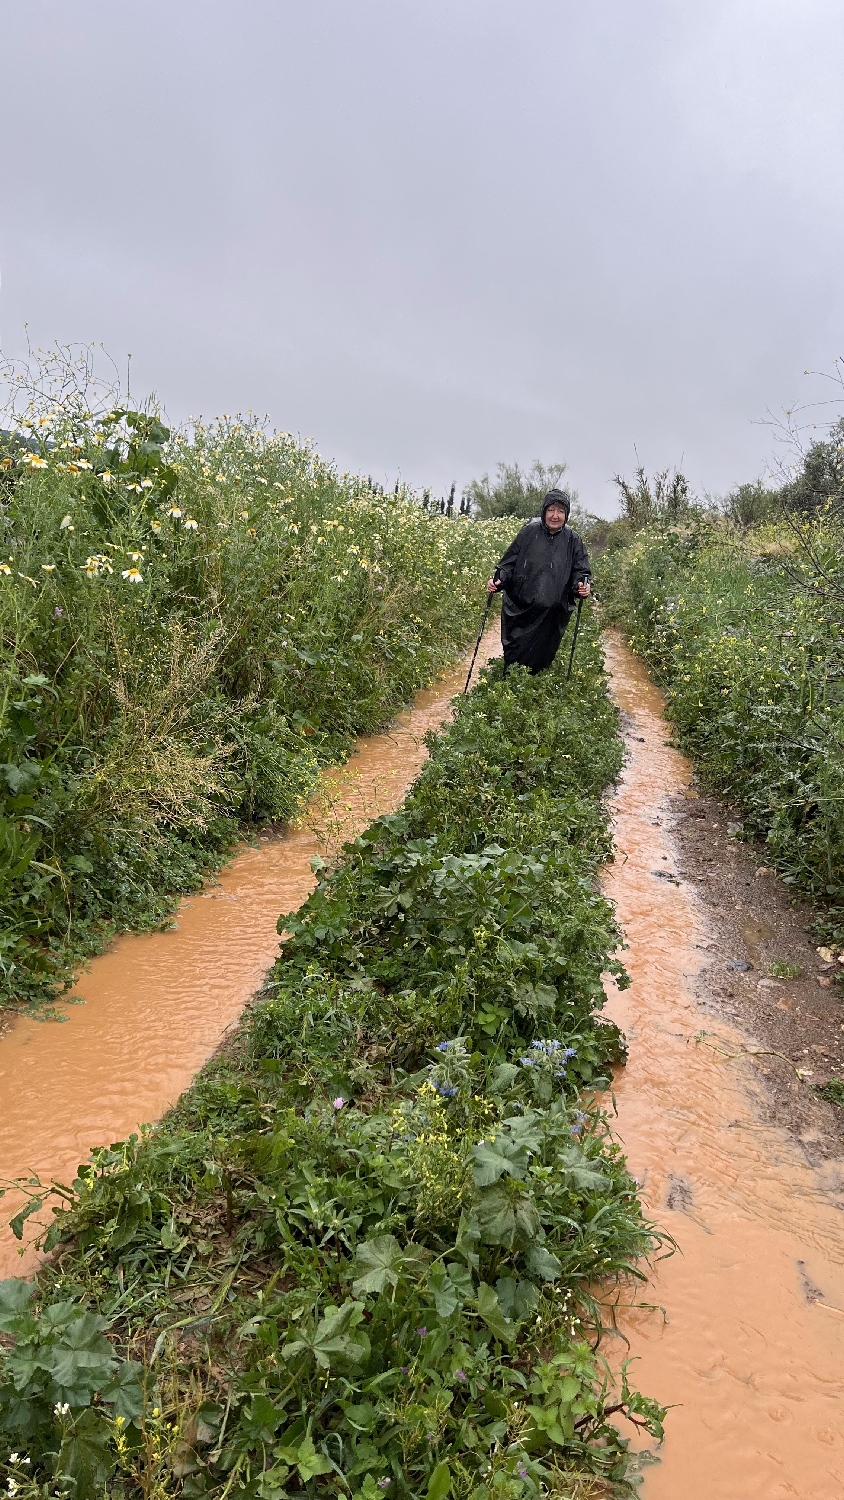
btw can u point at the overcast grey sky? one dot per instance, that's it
(442, 233)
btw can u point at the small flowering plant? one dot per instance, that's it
(546, 1062)
(449, 1073)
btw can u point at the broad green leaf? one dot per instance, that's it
(310, 1463)
(468, 1239)
(444, 1292)
(361, 1416)
(261, 1420)
(506, 1219)
(542, 1263)
(83, 1359)
(84, 1455)
(503, 1077)
(580, 1172)
(439, 1483)
(490, 1310)
(331, 1336)
(14, 1300)
(126, 1390)
(494, 1159)
(380, 1261)
(16, 1224)
(517, 1298)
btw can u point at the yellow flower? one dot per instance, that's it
(190, 524)
(132, 575)
(146, 484)
(35, 461)
(244, 515)
(48, 567)
(135, 556)
(5, 570)
(155, 525)
(174, 512)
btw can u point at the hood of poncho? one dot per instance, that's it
(558, 497)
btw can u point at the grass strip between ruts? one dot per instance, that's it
(363, 1253)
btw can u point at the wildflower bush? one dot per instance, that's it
(368, 1252)
(745, 633)
(192, 624)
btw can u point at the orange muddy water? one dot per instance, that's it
(157, 1005)
(747, 1350)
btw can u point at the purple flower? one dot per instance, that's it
(404, 1370)
(460, 1375)
(422, 1332)
(339, 1102)
(522, 1471)
(383, 1484)
(58, 611)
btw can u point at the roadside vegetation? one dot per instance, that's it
(739, 611)
(371, 1251)
(192, 623)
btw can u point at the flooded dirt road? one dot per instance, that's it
(157, 1005)
(752, 1347)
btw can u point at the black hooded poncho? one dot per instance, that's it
(539, 574)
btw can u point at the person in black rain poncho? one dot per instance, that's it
(544, 570)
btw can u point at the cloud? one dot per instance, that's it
(439, 236)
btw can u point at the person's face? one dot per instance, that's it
(555, 517)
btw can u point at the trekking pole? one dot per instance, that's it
(574, 642)
(490, 598)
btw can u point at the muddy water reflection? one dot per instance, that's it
(156, 1006)
(747, 1349)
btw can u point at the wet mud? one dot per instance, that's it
(749, 1349)
(764, 972)
(156, 1006)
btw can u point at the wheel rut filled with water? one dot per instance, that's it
(749, 1347)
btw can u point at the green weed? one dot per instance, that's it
(779, 969)
(365, 1252)
(833, 1090)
